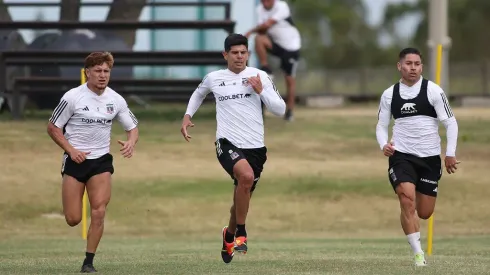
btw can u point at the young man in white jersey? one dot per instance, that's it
(417, 105)
(277, 34)
(239, 92)
(81, 126)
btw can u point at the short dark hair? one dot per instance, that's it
(235, 39)
(406, 51)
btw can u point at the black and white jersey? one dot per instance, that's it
(238, 107)
(87, 118)
(417, 111)
(284, 33)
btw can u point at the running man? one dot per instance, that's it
(277, 34)
(81, 125)
(239, 91)
(417, 105)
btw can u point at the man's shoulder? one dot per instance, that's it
(432, 87)
(281, 4)
(388, 93)
(113, 94)
(74, 93)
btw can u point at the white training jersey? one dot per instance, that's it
(238, 106)
(284, 33)
(418, 135)
(87, 118)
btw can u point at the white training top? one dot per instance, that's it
(418, 135)
(87, 118)
(283, 32)
(238, 106)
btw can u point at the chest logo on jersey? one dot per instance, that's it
(96, 120)
(110, 108)
(235, 96)
(408, 108)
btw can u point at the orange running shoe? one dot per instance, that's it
(241, 244)
(228, 250)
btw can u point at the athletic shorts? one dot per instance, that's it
(424, 172)
(289, 59)
(88, 168)
(228, 155)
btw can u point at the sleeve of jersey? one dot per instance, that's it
(281, 13)
(126, 117)
(440, 103)
(272, 99)
(446, 116)
(384, 117)
(63, 112)
(198, 96)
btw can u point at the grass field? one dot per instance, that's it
(323, 206)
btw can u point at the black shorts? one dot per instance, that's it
(289, 59)
(424, 172)
(85, 170)
(228, 155)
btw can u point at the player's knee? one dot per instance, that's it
(98, 215)
(246, 179)
(72, 220)
(407, 203)
(424, 214)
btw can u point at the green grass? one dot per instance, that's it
(325, 181)
(266, 256)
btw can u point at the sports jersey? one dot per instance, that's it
(417, 113)
(283, 32)
(238, 107)
(87, 118)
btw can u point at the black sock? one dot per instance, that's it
(241, 232)
(229, 237)
(89, 258)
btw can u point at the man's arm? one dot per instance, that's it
(282, 13)
(198, 97)
(384, 118)
(195, 102)
(60, 116)
(447, 118)
(128, 121)
(271, 97)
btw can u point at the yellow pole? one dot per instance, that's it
(84, 200)
(430, 230)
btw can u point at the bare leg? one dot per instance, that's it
(71, 195)
(245, 176)
(291, 95)
(262, 43)
(409, 220)
(99, 195)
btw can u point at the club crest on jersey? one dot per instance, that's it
(110, 108)
(244, 82)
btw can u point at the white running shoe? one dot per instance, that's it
(420, 259)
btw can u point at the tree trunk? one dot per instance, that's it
(70, 10)
(128, 10)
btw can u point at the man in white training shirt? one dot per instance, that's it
(239, 92)
(277, 34)
(417, 105)
(81, 126)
